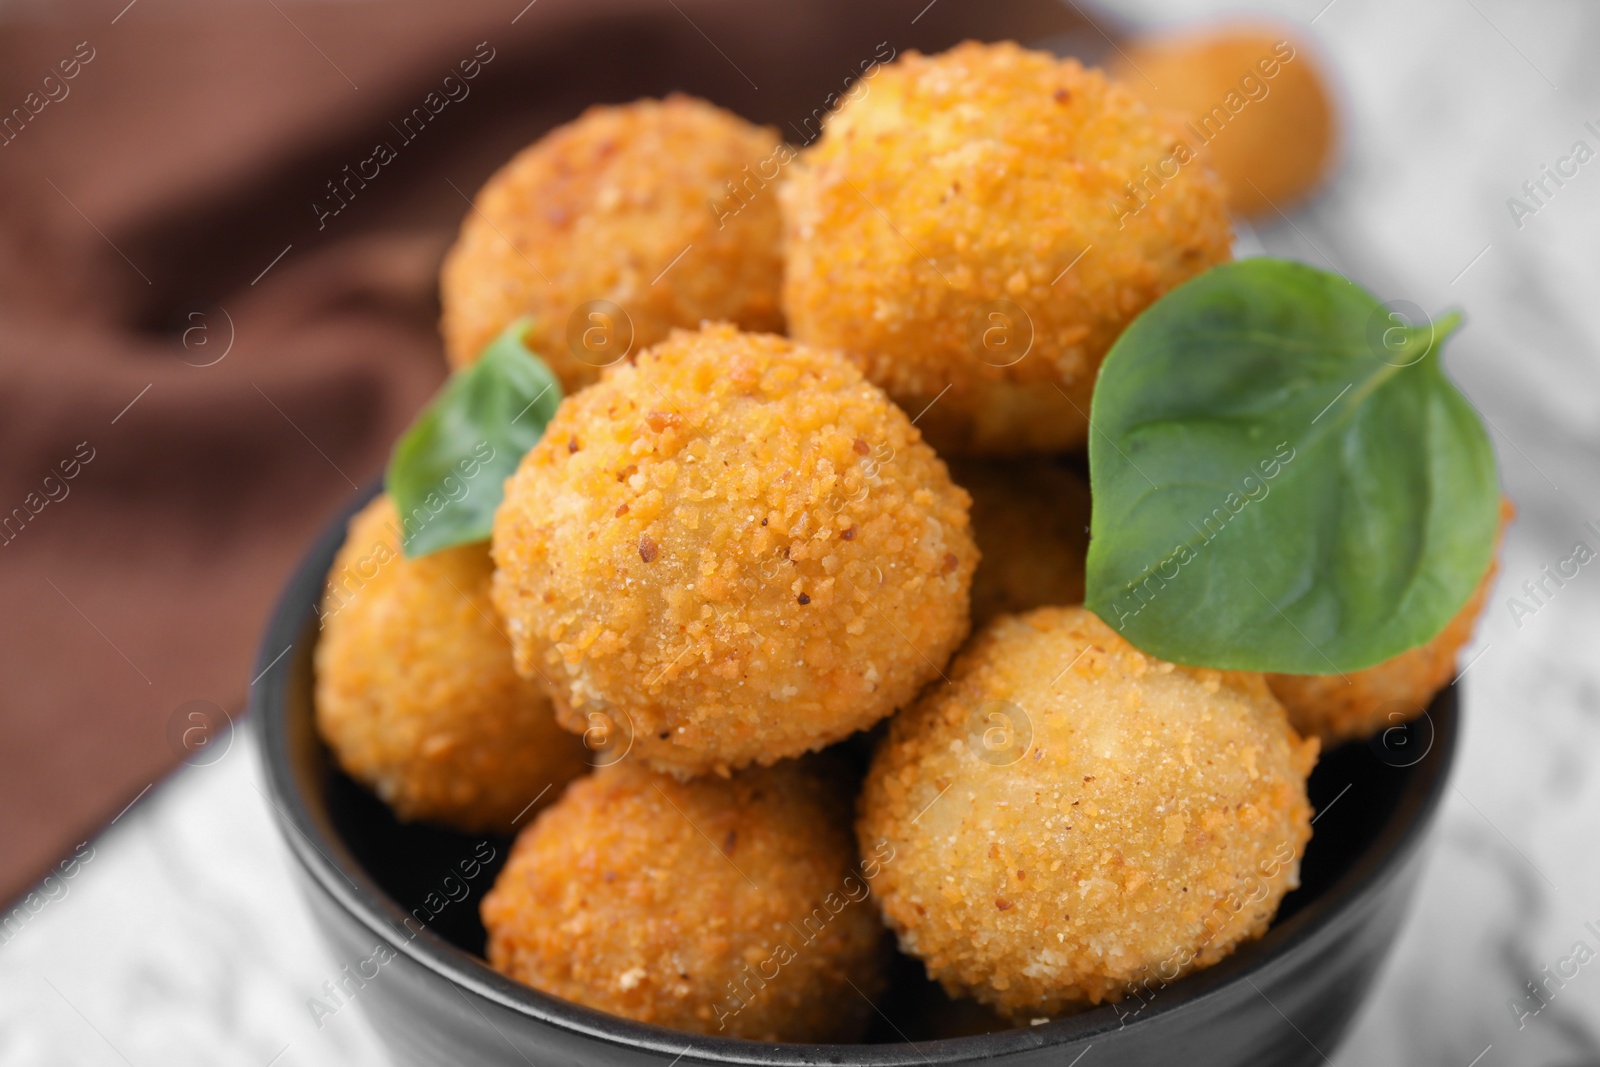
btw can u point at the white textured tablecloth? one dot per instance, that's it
(181, 938)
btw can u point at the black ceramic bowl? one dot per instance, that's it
(399, 905)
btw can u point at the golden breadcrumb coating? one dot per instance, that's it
(737, 549)
(729, 906)
(1339, 708)
(1030, 518)
(601, 209)
(1072, 818)
(935, 232)
(416, 693)
(1258, 107)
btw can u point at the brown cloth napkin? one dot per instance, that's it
(199, 356)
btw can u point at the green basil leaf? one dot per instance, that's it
(1284, 479)
(447, 472)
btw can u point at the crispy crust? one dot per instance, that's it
(1270, 150)
(599, 209)
(980, 175)
(720, 906)
(1146, 819)
(1031, 521)
(415, 690)
(738, 546)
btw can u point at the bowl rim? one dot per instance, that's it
(341, 877)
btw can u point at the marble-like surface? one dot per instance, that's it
(182, 938)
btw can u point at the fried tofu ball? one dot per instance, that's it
(1071, 817)
(728, 906)
(602, 209)
(415, 689)
(1258, 107)
(1031, 521)
(971, 224)
(734, 550)
(1339, 708)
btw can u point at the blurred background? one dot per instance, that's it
(219, 339)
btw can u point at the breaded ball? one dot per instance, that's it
(729, 906)
(602, 209)
(1339, 708)
(1070, 817)
(735, 550)
(416, 693)
(1031, 521)
(970, 223)
(1257, 107)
